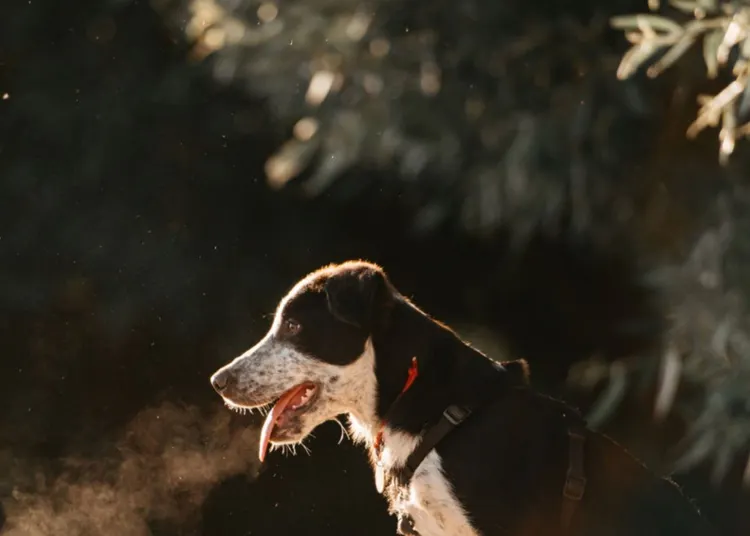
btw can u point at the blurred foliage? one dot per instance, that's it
(702, 375)
(708, 348)
(481, 113)
(709, 299)
(489, 118)
(724, 28)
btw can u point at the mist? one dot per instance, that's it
(161, 469)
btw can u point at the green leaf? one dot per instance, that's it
(711, 44)
(709, 6)
(633, 59)
(686, 6)
(656, 22)
(672, 55)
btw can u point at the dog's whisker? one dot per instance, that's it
(241, 410)
(344, 431)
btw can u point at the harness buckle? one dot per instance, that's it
(575, 486)
(456, 414)
(575, 481)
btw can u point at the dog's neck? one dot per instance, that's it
(449, 372)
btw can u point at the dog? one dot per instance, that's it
(460, 445)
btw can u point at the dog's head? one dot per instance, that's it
(317, 360)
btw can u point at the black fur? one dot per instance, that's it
(323, 334)
(352, 294)
(507, 463)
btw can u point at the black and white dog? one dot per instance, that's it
(460, 445)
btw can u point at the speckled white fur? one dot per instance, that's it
(432, 504)
(430, 500)
(271, 367)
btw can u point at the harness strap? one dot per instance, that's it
(452, 417)
(575, 480)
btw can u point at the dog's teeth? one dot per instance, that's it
(305, 398)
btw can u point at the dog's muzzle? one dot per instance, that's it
(223, 380)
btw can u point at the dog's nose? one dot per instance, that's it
(220, 380)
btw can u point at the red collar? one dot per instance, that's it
(413, 373)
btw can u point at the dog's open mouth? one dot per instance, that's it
(290, 405)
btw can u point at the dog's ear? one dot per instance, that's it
(518, 370)
(353, 293)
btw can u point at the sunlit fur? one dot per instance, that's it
(507, 463)
(271, 367)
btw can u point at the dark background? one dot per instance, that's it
(141, 245)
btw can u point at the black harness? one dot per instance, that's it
(453, 416)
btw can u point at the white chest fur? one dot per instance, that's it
(432, 504)
(430, 500)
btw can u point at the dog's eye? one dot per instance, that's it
(291, 327)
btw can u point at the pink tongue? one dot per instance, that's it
(273, 416)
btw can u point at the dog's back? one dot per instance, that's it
(625, 494)
(509, 463)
